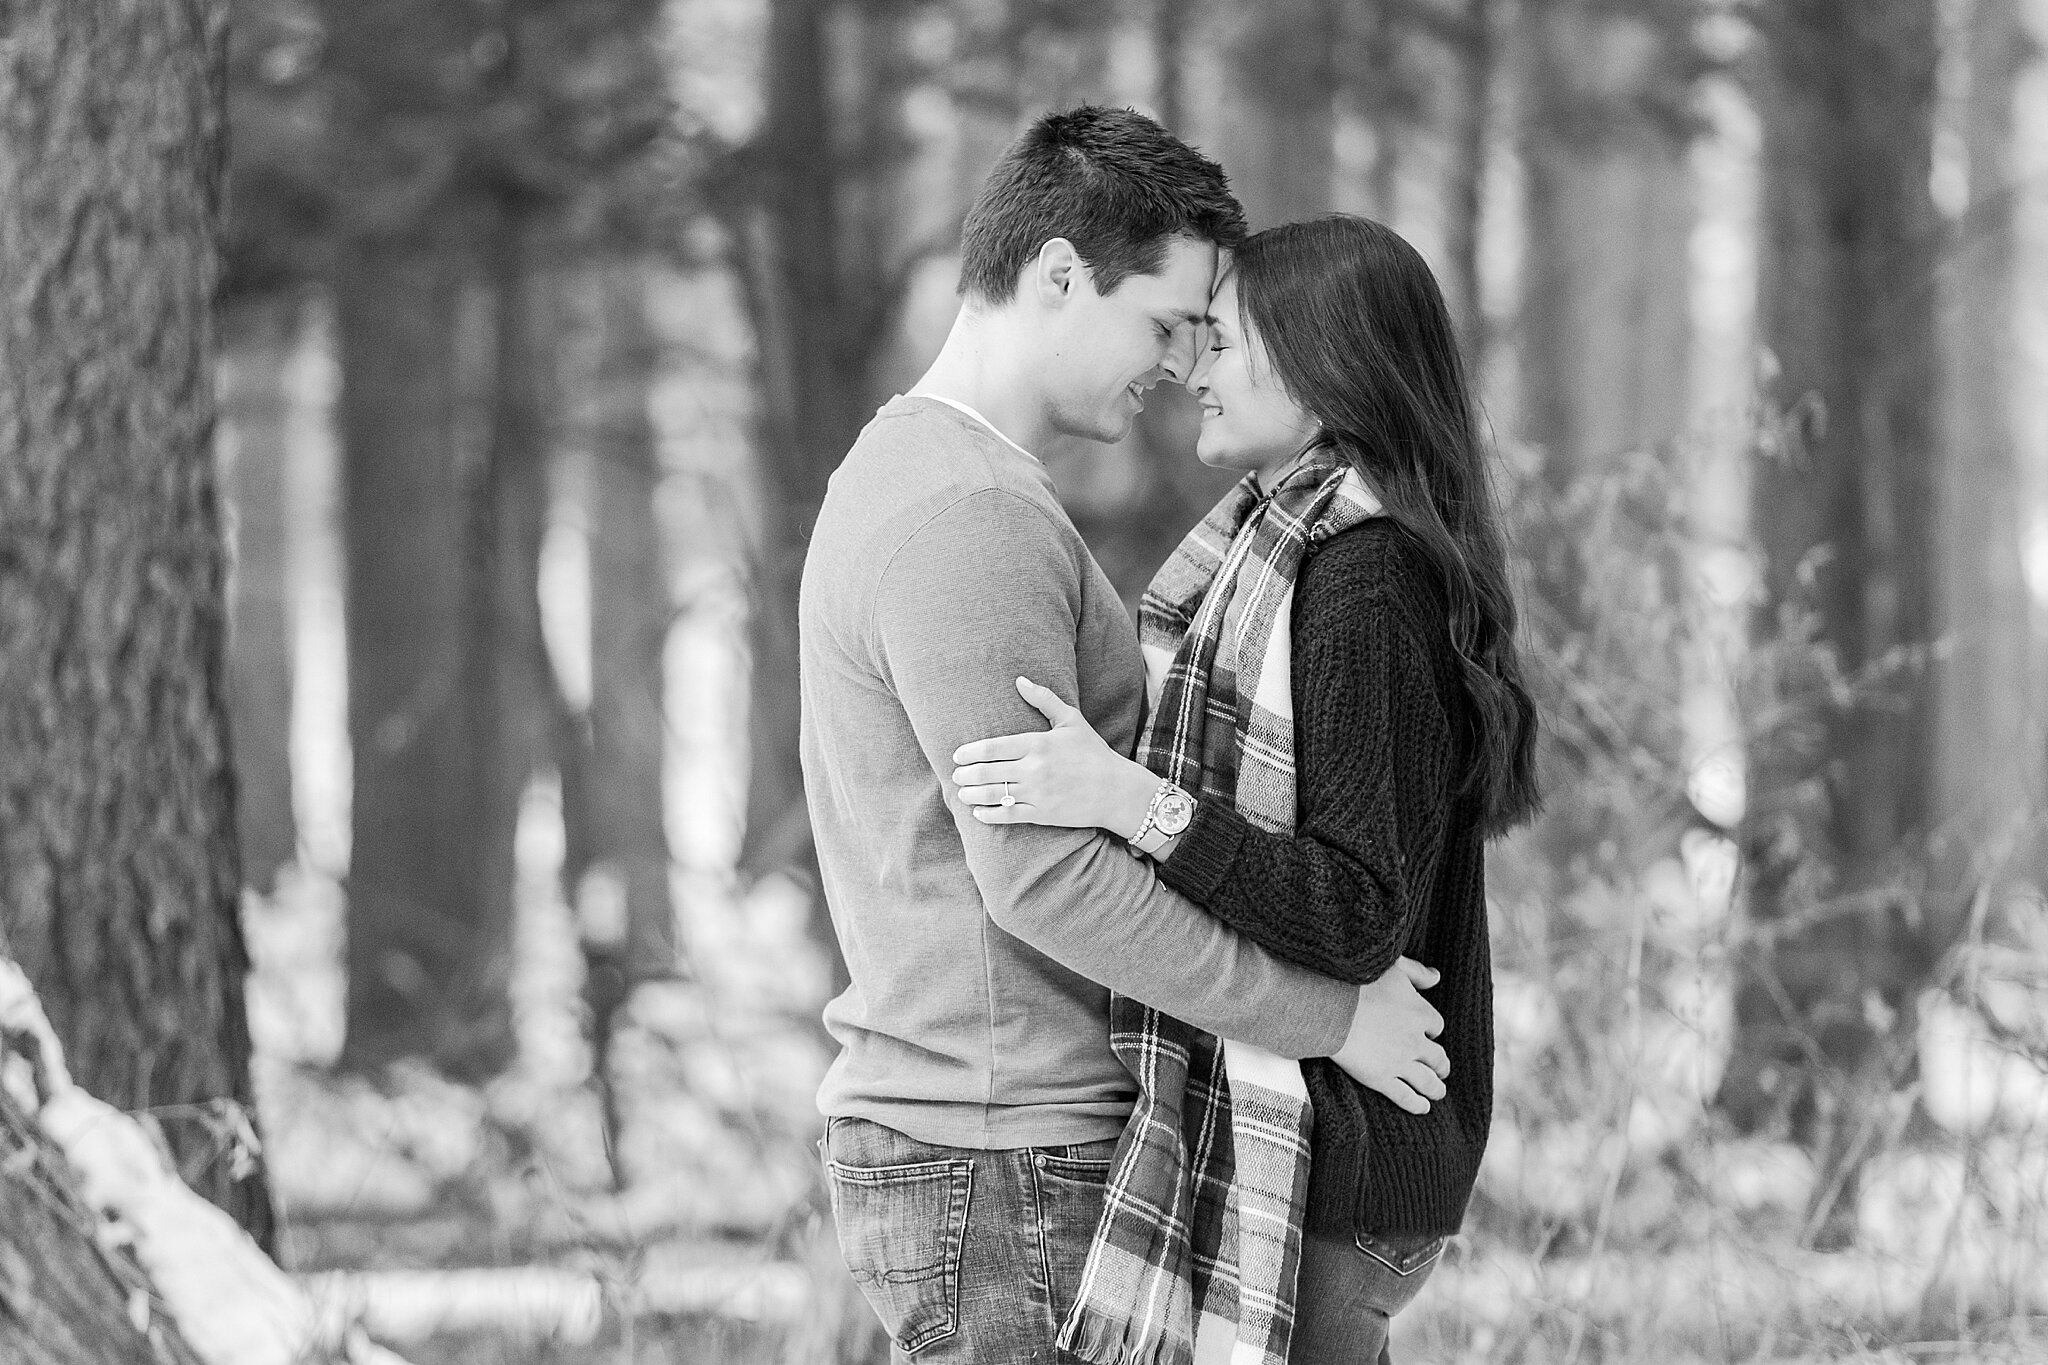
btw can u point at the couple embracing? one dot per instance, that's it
(1187, 1056)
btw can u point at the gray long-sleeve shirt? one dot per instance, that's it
(981, 956)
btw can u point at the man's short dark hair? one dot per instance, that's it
(1112, 182)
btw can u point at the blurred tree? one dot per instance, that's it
(1278, 107)
(1989, 737)
(1606, 131)
(258, 334)
(811, 354)
(1844, 518)
(810, 212)
(456, 157)
(618, 860)
(117, 798)
(429, 946)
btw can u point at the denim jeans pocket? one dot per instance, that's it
(1397, 1265)
(1077, 1169)
(1070, 1183)
(900, 1230)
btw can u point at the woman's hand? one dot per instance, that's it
(1062, 776)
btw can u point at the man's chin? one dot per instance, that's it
(1103, 431)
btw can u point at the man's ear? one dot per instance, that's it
(1056, 272)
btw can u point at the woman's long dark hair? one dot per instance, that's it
(1353, 324)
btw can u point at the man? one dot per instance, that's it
(975, 1104)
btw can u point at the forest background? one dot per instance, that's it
(410, 421)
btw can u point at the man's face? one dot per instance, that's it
(1109, 349)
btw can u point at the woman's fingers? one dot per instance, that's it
(986, 794)
(981, 774)
(1019, 814)
(995, 749)
(1435, 1058)
(1049, 703)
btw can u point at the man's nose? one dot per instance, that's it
(1179, 362)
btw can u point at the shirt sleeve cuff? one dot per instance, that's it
(1205, 852)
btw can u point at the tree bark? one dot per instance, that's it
(260, 333)
(1605, 328)
(119, 875)
(1840, 800)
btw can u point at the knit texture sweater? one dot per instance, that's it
(1386, 860)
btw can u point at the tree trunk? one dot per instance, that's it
(812, 388)
(629, 622)
(1279, 102)
(508, 658)
(119, 876)
(1848, 310)
(1476, 55)
(1988, 738)
(260, 334)
(1605, 330)
(429, 948)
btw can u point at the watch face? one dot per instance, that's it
(1176, 808)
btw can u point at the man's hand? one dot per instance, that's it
(1392, 1045)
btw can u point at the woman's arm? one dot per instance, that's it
(1377, 759)
(1376, 754)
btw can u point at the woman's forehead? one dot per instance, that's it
(1223, 299)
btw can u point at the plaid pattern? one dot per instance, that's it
(1194, 1261)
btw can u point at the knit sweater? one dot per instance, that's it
(1386, 860)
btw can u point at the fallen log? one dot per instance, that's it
(206, 1293)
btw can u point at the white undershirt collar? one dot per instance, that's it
(962, 407)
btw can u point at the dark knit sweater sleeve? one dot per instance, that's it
(1377, 766)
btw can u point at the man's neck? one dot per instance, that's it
(984, 364)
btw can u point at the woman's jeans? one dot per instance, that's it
(965, 1255)
(1347, 1290)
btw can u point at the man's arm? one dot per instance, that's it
(987, 591)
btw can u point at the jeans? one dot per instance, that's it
(1347, 1290)
(965, 1255)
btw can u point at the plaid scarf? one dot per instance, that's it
(1194, 1260)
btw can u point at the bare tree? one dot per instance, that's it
(258, 337)
(825, 280)
(463, 155)
(1988, 715)
(119, 875)
(1606, 130)
(1280, 98)
(1840, 796)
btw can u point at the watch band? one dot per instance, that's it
(1150, 838)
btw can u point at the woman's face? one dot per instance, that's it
(1249, 422)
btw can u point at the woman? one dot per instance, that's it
(1338, 698)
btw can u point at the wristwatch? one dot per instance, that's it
(1166, 817)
